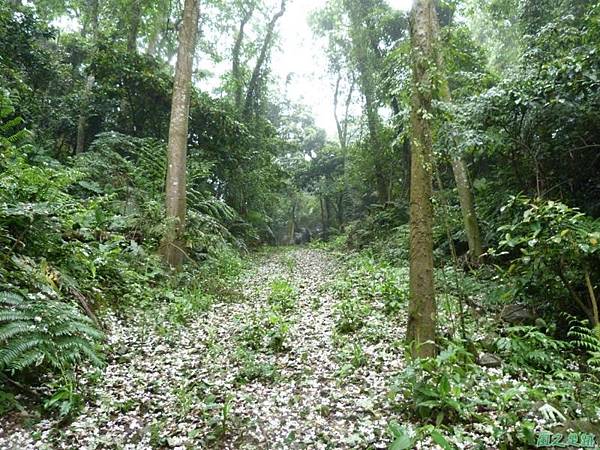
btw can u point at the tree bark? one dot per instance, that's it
(459, 167)
(467, 206)
(253, 84)
(292, 225)
(238, 84)
(172, 244)
(323, 218)
(342, 130)
(134, 25)
(93, 8)
(364, 59)
(422, 309)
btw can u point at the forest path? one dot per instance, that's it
(201, 386)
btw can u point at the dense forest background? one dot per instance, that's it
(461, 188)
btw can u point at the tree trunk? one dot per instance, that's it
(342, 130)
(134, 25)
(323, 218)
(292, 225)
(172, 244)
(253, 84)
(459, 167)
(93, 7)
(328, 209)
(467, 206)
(422, 310)
(238, 84)
(365, 63)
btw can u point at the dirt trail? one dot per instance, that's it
(196, 386)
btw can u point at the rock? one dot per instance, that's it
(303, 236)
(489, 360)
(517, 314)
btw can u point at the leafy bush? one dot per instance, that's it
(588, 340)
(379, 223)
(252, 369)
(185, 307)
(528, 348)
(283, 296)
(267, 328)
(351, 314)
(554, 254)
(435, 386)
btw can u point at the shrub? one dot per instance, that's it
(435, 386)
(283, 296)
(554, 254)
(528, 347)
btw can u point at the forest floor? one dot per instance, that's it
(240, 375)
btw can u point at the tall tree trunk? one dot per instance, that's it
(323, 216)
(328, 209)
(134, 25)
(422, 310)
(292, 225)
(238, 84)
(365, 61)
(459, 168)
(172, 244)
(467, 206)
(93, 8)
(342, 130)
(254, 82)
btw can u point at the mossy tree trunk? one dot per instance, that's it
(91, 21)
(172, 244)
(422, 310)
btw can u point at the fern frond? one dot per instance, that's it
(53, 333)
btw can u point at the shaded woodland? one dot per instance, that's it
(193, 267)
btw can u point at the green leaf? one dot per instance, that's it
(441, 440)
(401, 443)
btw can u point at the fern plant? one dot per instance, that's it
(587, 339)
(45, 333)
(11, 130)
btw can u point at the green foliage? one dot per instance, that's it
(187, 306)
(253, 369)
(434, 386)
(378, 224)
(268, 329)
(553, 248)
(352, 357)
(39, 332)
(66, 401)
(283, 296)
(351, 313)
(588, 340)
(529, 348)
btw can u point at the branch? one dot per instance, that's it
(237, 48)
(254, 80)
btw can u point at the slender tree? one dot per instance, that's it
(172, 245)
(365, 62)
(459, 167)
(236, 71)
(422, 310)
(254, 83)
(135, 16)
(91, 19)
